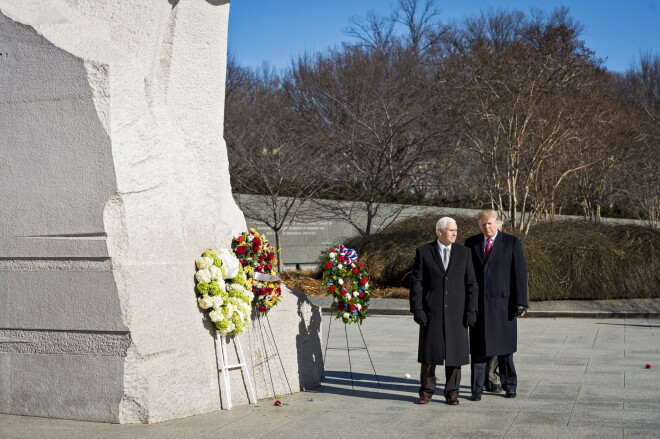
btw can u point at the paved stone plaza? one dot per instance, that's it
(578, 378)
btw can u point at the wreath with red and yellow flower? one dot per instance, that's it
(256, 255)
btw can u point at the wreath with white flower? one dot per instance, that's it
(224, 290)
(258, 259)
(347, 280)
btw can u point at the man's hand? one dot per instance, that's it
(420, 317)
(470, 319)
(521, 311)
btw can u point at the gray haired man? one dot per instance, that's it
(443, 298)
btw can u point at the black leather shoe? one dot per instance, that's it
(510, 393)
(475, 396)
(494, 388)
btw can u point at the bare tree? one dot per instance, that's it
(641, 181)
(270, 155)
(513, 89)
(371, 114)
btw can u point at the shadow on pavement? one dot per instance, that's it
(630, 324)
(391, 388)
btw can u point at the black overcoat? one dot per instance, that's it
(502, 279)
(445, 296)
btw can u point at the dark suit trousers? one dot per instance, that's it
(427, 379)
(508, 377)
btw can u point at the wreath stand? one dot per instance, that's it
(348, 349)
(268, 340)
(222, 357)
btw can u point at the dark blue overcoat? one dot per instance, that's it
(502, 279)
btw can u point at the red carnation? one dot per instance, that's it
(279, 290)
(340, 307)
(256, 248)
(270, 256)
(352, 307)
(261, 258)
(240, 238)
(332, 288)
(356, 271)
(366, 278)
(362, 295)
(259, 268)
(256, 241)
(262, 308)
(362, 281)
(269, 267)
(360, 264)
(240, 249)
(328, 265)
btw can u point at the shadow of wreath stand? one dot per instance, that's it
(348, 350)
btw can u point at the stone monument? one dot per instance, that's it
(114, 178)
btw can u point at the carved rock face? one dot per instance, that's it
(116, 178)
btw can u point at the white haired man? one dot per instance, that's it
(501, 272)
(443, 298)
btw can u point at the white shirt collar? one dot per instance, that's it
(493, 238)
(441, 246)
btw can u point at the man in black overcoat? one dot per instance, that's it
(501, 272)
(443, 298)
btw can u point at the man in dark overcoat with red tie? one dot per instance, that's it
(501, 271)
(443, 298)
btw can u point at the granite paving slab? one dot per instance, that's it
(599, 394)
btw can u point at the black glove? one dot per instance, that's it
(470, 319)
(521, 310)
(420, 317)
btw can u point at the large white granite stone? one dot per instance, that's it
(114, 178)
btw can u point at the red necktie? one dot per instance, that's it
(489, 246)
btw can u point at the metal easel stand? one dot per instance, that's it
(348, 350)
(268, 340)
(224, 367)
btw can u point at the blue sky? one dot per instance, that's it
(274, 31)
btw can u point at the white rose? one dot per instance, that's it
(205, 302)
(216, 273)
(359, 307)
(217, 302)
(341, 281)
(216, 316)
(203, 275)
(346, 315)
(332, 255)
(366, 285)
(355, 294)
(203, 262)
